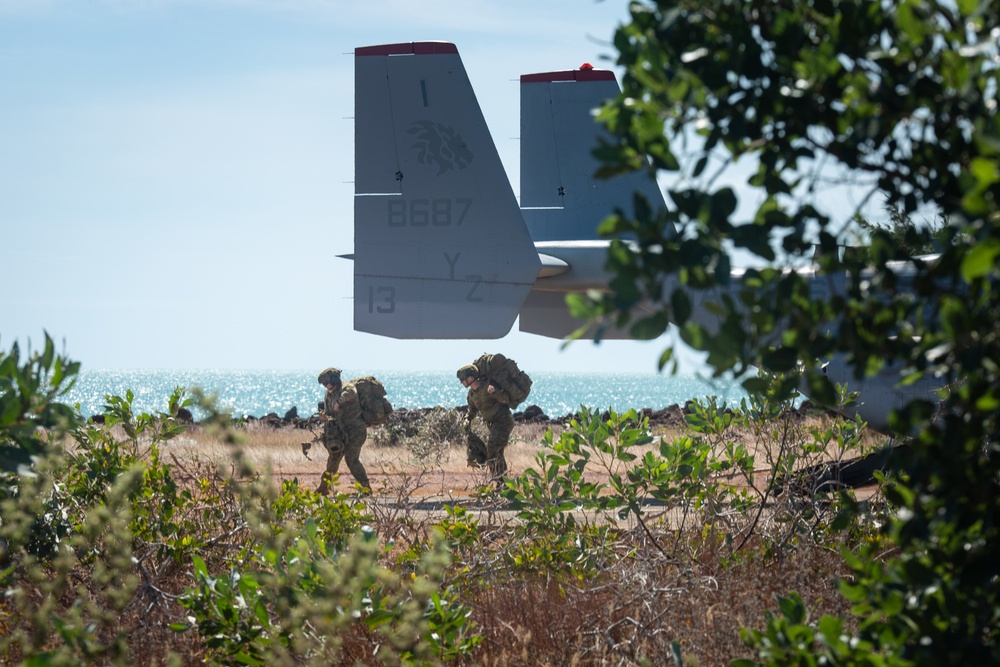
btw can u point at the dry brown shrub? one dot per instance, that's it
(633, 615)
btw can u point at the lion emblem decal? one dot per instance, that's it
(439, 145)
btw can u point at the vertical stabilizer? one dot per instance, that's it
(562, 201)
(441, 249)
(560, 197)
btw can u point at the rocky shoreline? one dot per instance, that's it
(669, 417)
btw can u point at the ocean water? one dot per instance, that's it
(259, 392)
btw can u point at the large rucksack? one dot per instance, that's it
(504, 373)
(375, 407)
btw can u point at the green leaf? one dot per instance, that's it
(793, 608)
(780, 360)
(723, 205)
(245, 658)
(665, 357)
(199, 566)
(651, 327)
(980, 260)
(985, 171)
(680, 304)
(821, 390)
(756, 386)
(379, 617)
(911, 25)
(830, 627)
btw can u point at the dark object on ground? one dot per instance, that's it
(846, 474)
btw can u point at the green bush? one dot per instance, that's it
(296, 608)
(706, 481)
(30, 413)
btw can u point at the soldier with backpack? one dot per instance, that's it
(347, 410)
(495, 386)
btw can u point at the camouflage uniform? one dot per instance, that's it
(500, 422)
(343, 434)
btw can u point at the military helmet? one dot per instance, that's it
(329, 376)
(467, 370)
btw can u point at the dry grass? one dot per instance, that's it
(631, 618)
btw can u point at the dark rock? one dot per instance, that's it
(532, 413)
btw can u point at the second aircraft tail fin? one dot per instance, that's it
(561, 198)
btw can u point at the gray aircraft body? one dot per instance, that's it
(443, 249)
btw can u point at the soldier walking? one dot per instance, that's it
(344, 432)
(490, 401)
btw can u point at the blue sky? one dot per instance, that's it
(176, 176)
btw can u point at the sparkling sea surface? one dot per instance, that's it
(259, 392)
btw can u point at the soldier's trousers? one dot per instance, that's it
(490, 453)
(342, 446)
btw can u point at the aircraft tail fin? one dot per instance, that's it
(440, 247)
(560, 197)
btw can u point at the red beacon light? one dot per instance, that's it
(586, 66)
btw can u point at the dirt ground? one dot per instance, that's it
(394, 472)
(436, 474)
